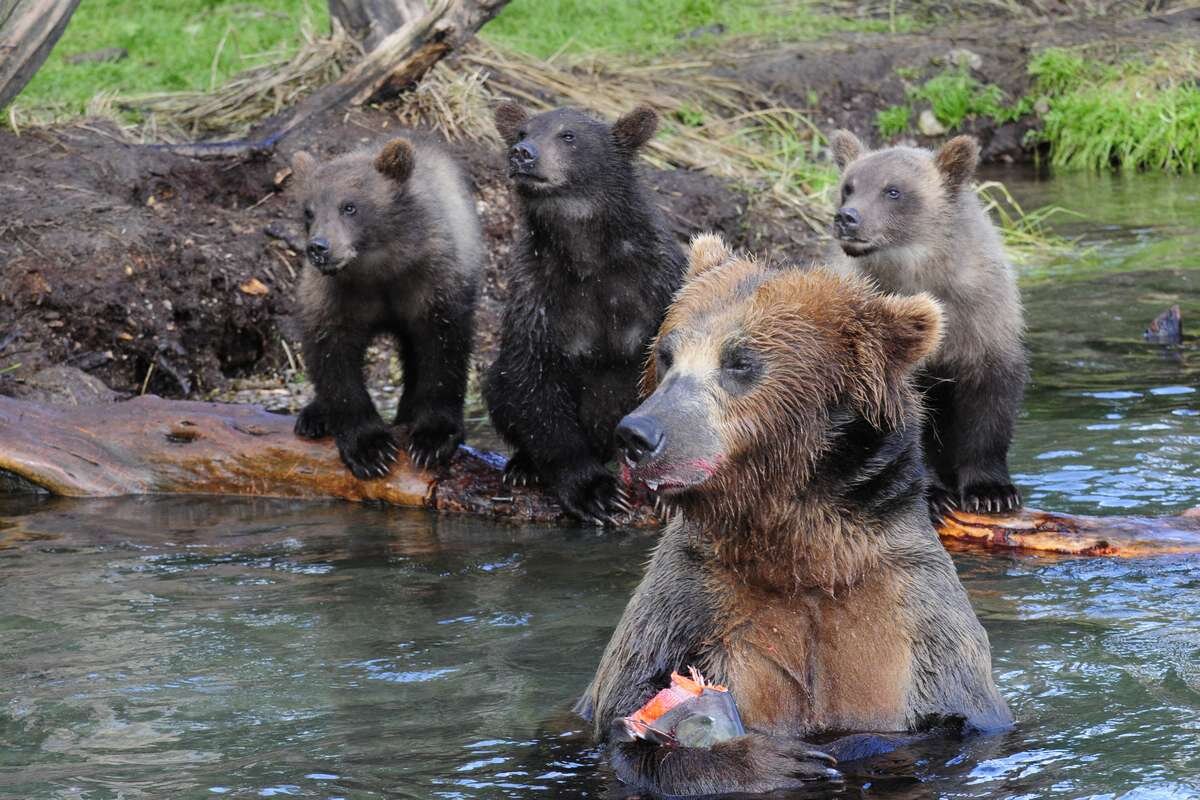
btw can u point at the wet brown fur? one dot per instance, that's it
(804, 572)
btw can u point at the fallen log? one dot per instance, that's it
(155, 446)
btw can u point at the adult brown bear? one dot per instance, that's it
(800, 569)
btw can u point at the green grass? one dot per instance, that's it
(956, 95)
(892, 121)
(1139, 114)
(174, 45)
(544, 28)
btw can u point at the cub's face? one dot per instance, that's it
(754, 368)
(566, 150)
(898, 196)
(348, 203)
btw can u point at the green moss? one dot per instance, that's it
(173, 45)
(893, 121)
(654, 27)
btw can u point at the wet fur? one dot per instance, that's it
(826, 603)
(592, 276)
(938, 239)
(414, 259)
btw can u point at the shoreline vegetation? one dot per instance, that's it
(1092, 106)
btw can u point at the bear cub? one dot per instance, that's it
(800, 568)
(593, 274)
(910, 220)
(394, 246)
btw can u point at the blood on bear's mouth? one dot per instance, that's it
(670, 478)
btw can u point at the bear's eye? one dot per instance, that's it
(892, 192)
(740, 368)
(349, 209)
(847, 190)
(665, 360)
(567, 136)
(308, 215)
(521, 134)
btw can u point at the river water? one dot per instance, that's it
(187, 648)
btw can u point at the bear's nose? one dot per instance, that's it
(640, 437)
(318, 250)
(524, 153)
(847, 219)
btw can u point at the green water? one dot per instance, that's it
(189, 648)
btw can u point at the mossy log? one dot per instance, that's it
(155, 446)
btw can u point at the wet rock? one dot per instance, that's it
(928, 124)
(62, 386)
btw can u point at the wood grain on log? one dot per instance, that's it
(155, 446)
(29, 29)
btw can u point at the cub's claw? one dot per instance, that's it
(312, 422)
(590, 496)
(519, 471)
(368, 451)
(433, 442)
(941, 505)
(991, 498)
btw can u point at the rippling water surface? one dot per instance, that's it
(179, 648)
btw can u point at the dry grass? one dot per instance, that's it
(246, 99)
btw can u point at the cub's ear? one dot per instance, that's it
(302, 166)
(509, 118)
(957, 160)
(707, 250)
(911, 328)
(846, 147)
(395, 160)
(635, 128)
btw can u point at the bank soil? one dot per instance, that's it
(156, 273)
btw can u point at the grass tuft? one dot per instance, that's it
(956, 95)
(893, 121)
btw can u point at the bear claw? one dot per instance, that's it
(1000, 498)
(368, 452)
(312, 423)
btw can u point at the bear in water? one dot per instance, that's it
(590, 282)
(394, 248)
(910, 220)
(800, 568)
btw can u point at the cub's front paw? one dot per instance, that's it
(990, 498)
(369, 451)
(433, 441)
(520, 470)
(312, 422)
(593, 495)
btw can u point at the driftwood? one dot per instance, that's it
(29, 29)
(155, 446)
(396, 64)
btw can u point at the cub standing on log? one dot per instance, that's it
(592, 278)
(800, 569)
(395, 247)
(910, 220)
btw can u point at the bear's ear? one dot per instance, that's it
(957, 160)
(635, 128)
(509, 118)
(395, 160)
(845, 147)
(707, 250)
(911, 328)
(302, 166)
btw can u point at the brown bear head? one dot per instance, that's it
(566, 151)
(891, 198)
(350, 204)
(756, 374)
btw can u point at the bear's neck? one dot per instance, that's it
(832, 532)
(584, 231)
